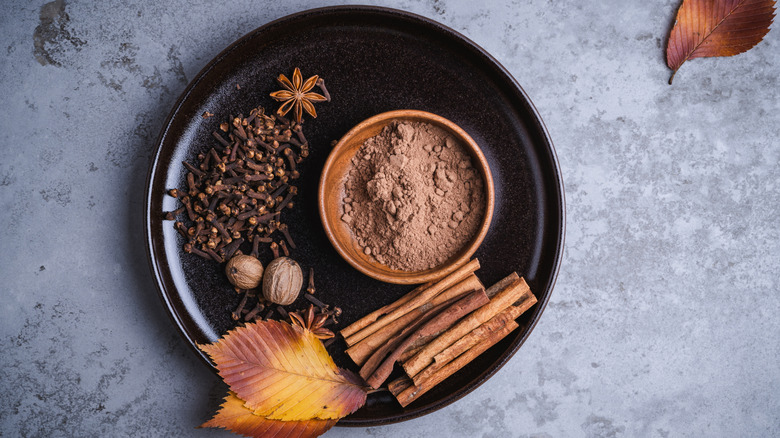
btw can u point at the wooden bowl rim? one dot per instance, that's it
(403, 277)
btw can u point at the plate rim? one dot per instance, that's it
(155, 264)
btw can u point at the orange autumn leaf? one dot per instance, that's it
(237, 418)
(283, 372)
(707, 28)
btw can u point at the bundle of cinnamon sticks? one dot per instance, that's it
(435, 330)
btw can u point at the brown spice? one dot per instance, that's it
(417, 298)
(404, 389)
(413, 199)
(361, 351)
(447, 340)
(230, 193)
(452, 312)
(297, 95)
(515, 292)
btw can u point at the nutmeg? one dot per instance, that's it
(282, 281)
(244, 272)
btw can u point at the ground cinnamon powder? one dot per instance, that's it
(413, 198)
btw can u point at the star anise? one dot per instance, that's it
(313, 322)
(297, 95)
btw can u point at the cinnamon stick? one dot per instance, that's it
(406, 392)
(473, 338)
(446, 318)
(376, 314)
(361, 351)
(491, 292)
(466, 342)
(373, 361)
(502, 284)
(416, 301)
(398, 385)
(516, 291)
(410, 352)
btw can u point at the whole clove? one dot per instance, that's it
(221, 139)
(222, 231)
(194, 170)
(279, 191)
(230, 249)
(254, 312)
(240, 308)
(310, 288)
(171, 215)
(275, 249)
(284, 229)
(283, 246)
(312, 299)
(188, 205)
(179, 226)
(214, 256)
(321, 85)
(255, 247)
(299, 133)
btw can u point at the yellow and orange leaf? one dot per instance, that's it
(237, 418)
(283, 372)
(707, 28)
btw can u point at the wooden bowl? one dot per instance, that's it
(331, 195)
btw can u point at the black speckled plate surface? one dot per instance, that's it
(373, 60)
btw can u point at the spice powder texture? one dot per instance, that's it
(412, 197)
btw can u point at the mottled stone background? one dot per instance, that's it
(664, 321)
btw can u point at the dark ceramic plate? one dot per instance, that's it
(373, 60)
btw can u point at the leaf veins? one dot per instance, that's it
(708, 28)
(236, 417)
(283, 372)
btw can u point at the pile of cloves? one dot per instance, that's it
(237, 192)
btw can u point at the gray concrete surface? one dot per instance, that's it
(664, 321)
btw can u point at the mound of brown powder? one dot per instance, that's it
(413, 199)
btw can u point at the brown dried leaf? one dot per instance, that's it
(707, 28)
(283, 372)
(236, 417)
